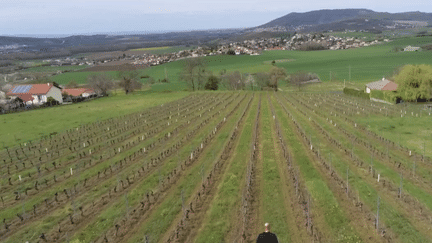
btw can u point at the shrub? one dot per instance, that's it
(151, 80)
(231, 52)
(312, 46)
(356, 93)
(212, 83)
(397, 49)
(427, 47)
(414, 82)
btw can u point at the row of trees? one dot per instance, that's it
(197, 77)
(103, 83)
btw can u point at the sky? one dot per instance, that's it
(61, 17)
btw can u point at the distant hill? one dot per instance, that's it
(355, 19)
(315, 17)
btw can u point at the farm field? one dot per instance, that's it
(163, 49)
(366, 64)
(21, 127)
(214, 167)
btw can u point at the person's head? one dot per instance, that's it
(267, 227)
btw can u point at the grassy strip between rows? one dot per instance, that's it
(425, 174)
(385, 171)
(390, 174)
(322, 197)
(227, 201)
(117, 211)
(391, 217)
(96, 192)
(79, 176)
(23, 126)
(162, 218)
(273, 200)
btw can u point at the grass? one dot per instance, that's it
(367, 64)
(323, 200)
(411, 132)
(78, 77)
(54, 69)
(163, 49)
(20, 127)
(133, 195)
(368, 193)
(164, 216)
(218, 220)
(272, 194)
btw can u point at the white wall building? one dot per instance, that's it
(36, 94)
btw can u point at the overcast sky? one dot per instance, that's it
(42, 17)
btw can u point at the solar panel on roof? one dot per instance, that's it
(22, 89)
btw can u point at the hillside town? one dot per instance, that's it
(247, 47)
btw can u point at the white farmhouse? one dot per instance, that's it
(36, 94)
(411, 48)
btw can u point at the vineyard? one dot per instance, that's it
(214, 167)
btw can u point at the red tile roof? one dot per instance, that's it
(26, 97)
(77, 92)
(390, 86)
(36, 89)
(383, 84)
(74, 92)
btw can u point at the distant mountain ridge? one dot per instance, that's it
(328, 17)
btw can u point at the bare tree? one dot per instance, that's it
(72, 84)
(194, 73)
(298, 79)
(234, 81)
(100, 83)
(129, 80)
(276, 74)
(262, 80)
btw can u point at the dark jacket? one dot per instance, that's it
(267, 237)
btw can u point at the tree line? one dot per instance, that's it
(197, 77)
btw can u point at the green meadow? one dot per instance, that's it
(163, 49)
(356, 66)
(23, 126)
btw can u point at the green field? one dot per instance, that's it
(20, 127)
(163, 49)
(199, 146)
(314, 157)
(55, 69)
(367, 64)
(78, 77)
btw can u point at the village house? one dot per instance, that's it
(411, 48)
(383, 84)
(83, 92)
(36, 94)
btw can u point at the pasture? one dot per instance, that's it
(24, 126)
(163, 49)
(213, 167)
(356, 66)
